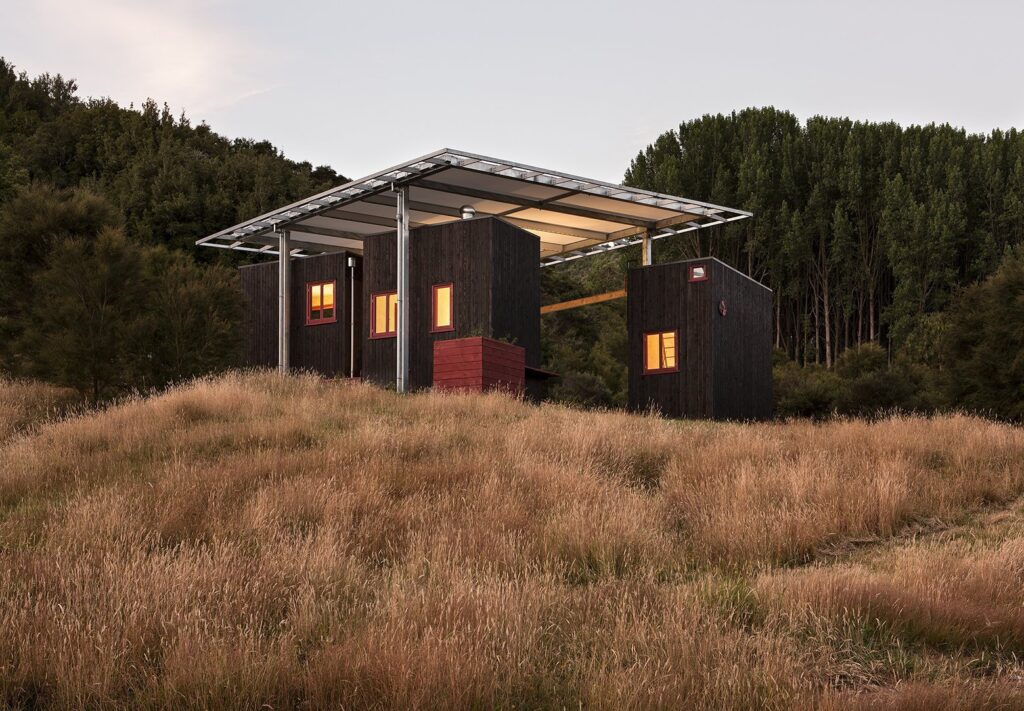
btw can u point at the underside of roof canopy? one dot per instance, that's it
(572, 216)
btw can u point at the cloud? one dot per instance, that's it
(166, 51)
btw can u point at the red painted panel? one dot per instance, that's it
(447, 375)
(478, 364)
(462, 383)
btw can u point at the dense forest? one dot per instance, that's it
(101, 286)
(868, 233)
(873, 236)
(171, 181)
(863, 230)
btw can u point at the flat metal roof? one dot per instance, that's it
(572, 216)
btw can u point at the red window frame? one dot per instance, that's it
(661, 338)
(319, 320)
(373, 314)
(693, 268)
(434, 328)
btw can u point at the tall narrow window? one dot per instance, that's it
(660, 354)
(443, 319)
(383, 314)
(320, 303)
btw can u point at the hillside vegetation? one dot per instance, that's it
(24, 403)
(896, 254)
(867, 233)
(296, 542)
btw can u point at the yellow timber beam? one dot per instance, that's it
(585, 301)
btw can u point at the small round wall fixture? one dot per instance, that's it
(723, 308)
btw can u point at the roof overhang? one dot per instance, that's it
(572, 216)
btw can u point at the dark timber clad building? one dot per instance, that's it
(488, 268)
(449, 247)
(329, 348)
(700, 341)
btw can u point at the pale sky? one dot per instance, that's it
(574, 86)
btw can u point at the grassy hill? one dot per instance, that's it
(296, 542)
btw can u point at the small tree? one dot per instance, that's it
(88, 314)
(32, 222)
(196, 314)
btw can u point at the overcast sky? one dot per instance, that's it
(575, 86)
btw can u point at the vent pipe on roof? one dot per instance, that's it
(468, 212)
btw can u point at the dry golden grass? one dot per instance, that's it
(295, 542)
(25, 403)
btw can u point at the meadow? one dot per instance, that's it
(253, 541)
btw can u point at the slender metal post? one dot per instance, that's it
(402, 220)
(647, 256)
(352, 317)
(283, 299)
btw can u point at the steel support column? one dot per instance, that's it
(402, 340)
(283, 300)
(352, 317)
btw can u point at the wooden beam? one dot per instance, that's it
(583, 234)
(526, 203)
(268, 241)
(585, 301)
(350, 216)
(415, 205)
(326, 232)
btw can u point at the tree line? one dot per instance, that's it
(865, 231)
(883, 245)
(101, 286)
(171, 181)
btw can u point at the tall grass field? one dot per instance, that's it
(256, 541)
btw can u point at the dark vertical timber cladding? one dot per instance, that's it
(379, 267)
(456, 253)
(516, 296)
(493, 269)
(259, 290)
(698, 342)
(661, 299)
(743, 346)
(323, 348)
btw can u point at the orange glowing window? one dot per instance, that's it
(660, 352)
(383, 314)
(442, 316)
(320, 303)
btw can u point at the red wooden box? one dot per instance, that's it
(478, 364)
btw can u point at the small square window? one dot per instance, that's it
(383, 314)
(320, 307)
(661, 354)
(442, 311)
(698, 272)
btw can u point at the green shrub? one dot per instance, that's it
(862, 383)
(984, 343)
(808, 391)
(582, 389)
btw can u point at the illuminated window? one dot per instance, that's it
(698, 272)
(320, 303)
(442, 320)
(660, 353)
(383, 314)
